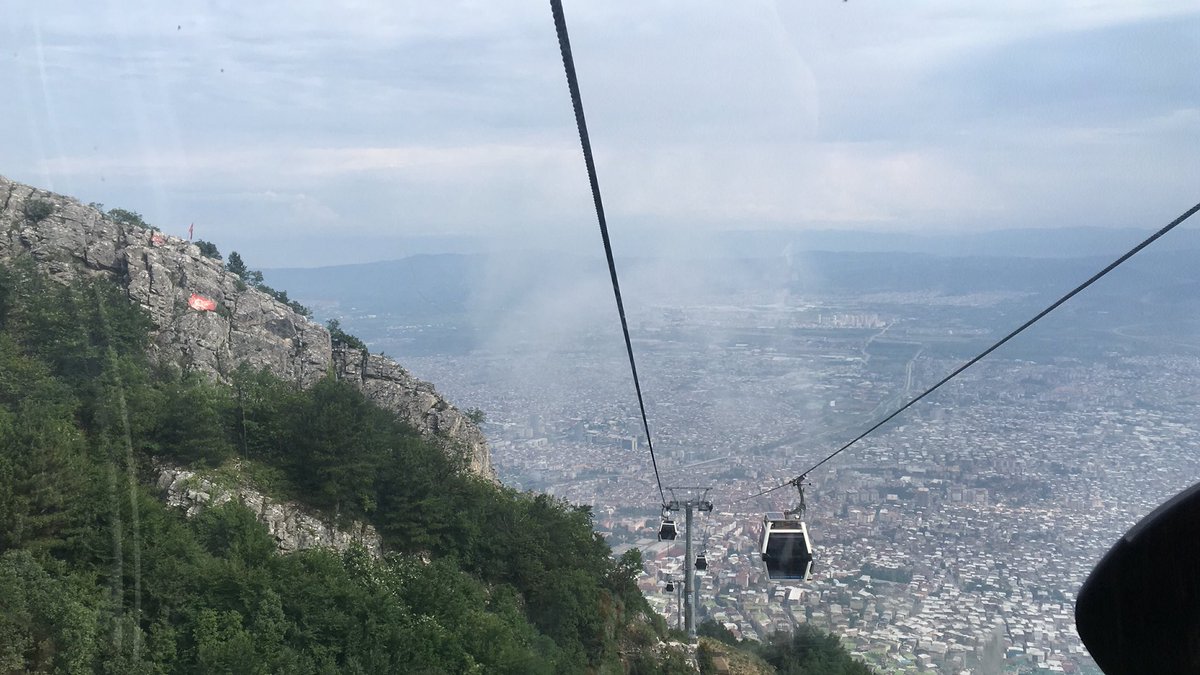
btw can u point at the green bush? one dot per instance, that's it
(37, 210)
(341, 337)
(126, 217)
(208, 249)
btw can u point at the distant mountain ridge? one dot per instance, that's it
(671, 240)
(448, 284)
(1029, 242)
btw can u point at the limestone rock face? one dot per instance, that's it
(161, 273)
(293, 528)
(390, 386)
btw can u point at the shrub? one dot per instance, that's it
(341, 337)
(208, 249)
(37, 210)
(126, 217)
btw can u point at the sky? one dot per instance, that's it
(306, 133)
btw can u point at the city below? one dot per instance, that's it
(953, 539)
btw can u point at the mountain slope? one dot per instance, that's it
(99, 574)
(68, 240)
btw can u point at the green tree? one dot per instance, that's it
(191, 422)
(232, 532)
(809, 650)
(341, 337)
(47, 624)
(126, 217)
(714, 630)
(37, 210)
(208, 249)
(236, 265)
(223, 645)
(340, 440)
(41, 453)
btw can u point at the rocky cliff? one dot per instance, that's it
(293, 527)
(66, 239)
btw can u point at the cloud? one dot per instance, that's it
(442, 118)
(425, 160)
(792, 184)
(421, 160)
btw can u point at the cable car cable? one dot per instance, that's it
(564, 44)
(1095, 277)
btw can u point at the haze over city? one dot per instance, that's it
(953, 539)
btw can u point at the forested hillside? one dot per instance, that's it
(99, 576)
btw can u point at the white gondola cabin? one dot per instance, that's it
(785, 548)
(667, 531)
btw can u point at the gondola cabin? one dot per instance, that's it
(786, 549)
(701, 562)
(670, 587)
(667, 531)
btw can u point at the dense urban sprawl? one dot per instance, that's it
(953, 539)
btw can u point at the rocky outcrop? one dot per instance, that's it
(293, 528)
(390, 386)
(66, 239)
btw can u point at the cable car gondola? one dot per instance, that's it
(1139, 610)
(785, 548)
(670, 587)
(667, 531)
(701, 562)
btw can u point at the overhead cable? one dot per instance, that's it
(1094, 278)
(564, 44)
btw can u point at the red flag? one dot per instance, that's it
(201, 303)
(190, 228)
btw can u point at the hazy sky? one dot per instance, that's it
(292, 130)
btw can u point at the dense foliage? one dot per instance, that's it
(807, 651)
(97, 575)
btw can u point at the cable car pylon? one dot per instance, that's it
(689, 500)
